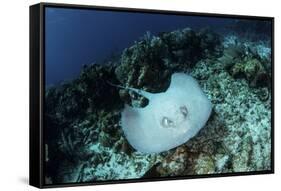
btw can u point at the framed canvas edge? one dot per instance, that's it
(35, 95)
(41, 90)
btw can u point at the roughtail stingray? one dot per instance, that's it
(170, 119)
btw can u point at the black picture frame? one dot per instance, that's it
(37, 87)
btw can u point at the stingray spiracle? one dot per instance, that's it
(166, 122)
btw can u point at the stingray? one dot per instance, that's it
(170, 119)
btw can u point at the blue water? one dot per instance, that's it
(75, 37)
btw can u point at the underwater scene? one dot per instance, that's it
(133, 95)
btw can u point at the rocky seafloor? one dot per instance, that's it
(84, 141)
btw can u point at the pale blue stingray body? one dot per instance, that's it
(170, 119)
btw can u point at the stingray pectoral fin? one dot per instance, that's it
(132, 126)
(143, 133)
(184, 82)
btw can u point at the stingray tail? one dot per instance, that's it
(138, 91)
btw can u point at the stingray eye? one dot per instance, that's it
(166, 122)
(184, 111)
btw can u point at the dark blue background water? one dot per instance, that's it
(75, 37)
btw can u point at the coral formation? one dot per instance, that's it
(252, 70)
(149, 63)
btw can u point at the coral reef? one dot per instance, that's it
(85, 141)
(149, 63)
(249, 60)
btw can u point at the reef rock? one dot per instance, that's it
(149, 63)
(253, 71)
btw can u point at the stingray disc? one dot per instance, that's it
(170, 119)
